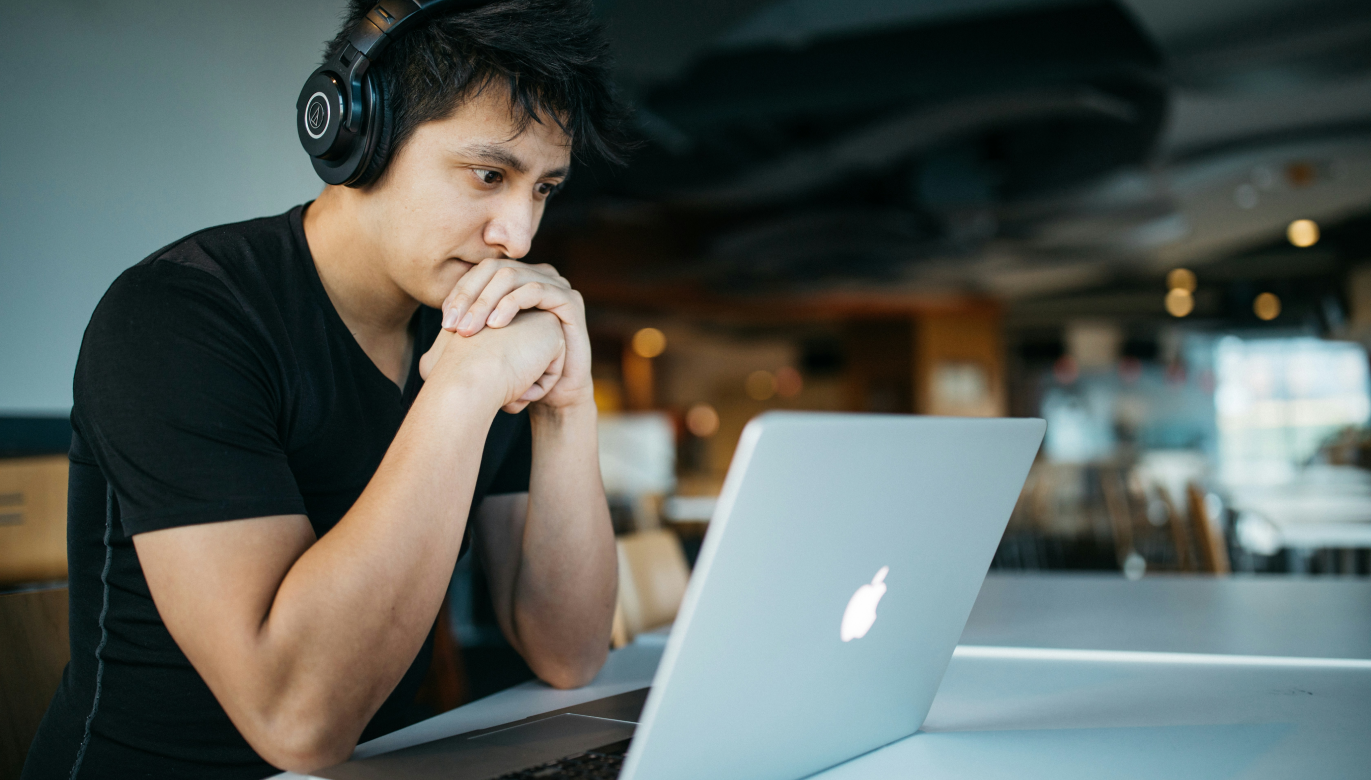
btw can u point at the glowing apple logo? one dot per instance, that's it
(861, 610)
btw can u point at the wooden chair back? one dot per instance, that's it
(1165, 542)
(652, 582)
(1208, 535)
(1180, 532)
(1115, 490)
(33, 653)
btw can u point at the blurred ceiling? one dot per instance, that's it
(1014, 147)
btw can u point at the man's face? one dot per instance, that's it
(464, 189)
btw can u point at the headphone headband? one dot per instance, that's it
(341, 116)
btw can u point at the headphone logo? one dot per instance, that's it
(316, 115)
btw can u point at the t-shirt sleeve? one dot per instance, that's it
(176, 394)
(517, 465)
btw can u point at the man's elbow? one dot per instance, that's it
(566, 679)
(572, 673)
(302, 747)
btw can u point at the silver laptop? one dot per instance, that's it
(836, 577)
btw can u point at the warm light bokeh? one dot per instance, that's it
(649, 343)
(702, 420)
(1179, 302)
(1303, 233)
(1181, 279)
(789, 383)
(760, 385)
(1267, 306)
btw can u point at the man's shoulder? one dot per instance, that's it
(242, 263)
(254, 247)
(217, 274)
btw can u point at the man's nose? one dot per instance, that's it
(511, 228)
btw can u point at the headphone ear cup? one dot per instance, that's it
(379, 126)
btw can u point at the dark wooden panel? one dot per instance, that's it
(33, 644)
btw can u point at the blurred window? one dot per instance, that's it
(1278, 399)
(637, 453)
(1079, 423)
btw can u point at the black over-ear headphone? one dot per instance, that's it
(341, 114)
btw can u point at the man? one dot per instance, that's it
(286, 430)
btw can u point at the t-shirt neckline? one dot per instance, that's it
(334, 320)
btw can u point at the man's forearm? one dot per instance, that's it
(563, 600)
(353, 610)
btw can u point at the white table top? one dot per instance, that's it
(1329, 506)
(1260, 534)
(1276, 615)
(1292, 507)
(1035, 718)
(1170, 677)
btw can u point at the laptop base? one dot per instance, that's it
(509, 749)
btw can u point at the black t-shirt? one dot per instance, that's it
(215, 382)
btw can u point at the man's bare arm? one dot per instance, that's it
(549, 554)
(301, 640)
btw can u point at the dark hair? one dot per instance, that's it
(551, 55)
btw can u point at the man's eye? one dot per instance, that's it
(488, 176)
(548, 189)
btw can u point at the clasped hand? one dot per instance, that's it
(537, 363)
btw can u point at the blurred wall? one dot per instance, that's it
(126, 125)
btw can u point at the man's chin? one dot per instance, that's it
(433, 301)
(431, 295)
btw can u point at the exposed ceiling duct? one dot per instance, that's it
(1017, 147)
(1054, 94)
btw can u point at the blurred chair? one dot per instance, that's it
(652, 581)
(1115, 491)
(1180, 532)
(1199, 541)
(1213, 548)
(34, 650)
(1148, 525)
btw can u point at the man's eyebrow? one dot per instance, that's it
(495, 155)
(499, 155)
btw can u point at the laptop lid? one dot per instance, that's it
(839, 569)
